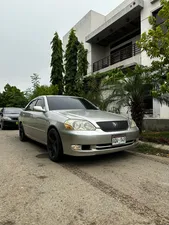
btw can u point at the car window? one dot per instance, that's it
(12, 110)
(31, 105)
(40, 102)
(61, 103)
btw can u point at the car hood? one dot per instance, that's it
(11, 115)
(92, 115)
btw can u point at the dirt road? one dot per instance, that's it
(116, 189)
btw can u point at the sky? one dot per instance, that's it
(26, 30)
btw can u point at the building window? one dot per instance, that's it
(152, 1)
(148, 100)
(159, 20)
(148, 105)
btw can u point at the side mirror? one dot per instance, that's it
(38, 109)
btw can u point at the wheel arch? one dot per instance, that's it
(54, 127)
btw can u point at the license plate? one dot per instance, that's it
(118, 140)
(16, 123)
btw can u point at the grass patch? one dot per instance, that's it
(156, 137)
(147, 149)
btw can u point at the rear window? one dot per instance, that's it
(61, 103)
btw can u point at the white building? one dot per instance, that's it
(110, 40)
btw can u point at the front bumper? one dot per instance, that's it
(97, 142)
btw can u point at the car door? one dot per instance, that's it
(27, 119)
(40, 122)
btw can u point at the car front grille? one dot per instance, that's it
(109, 126)
(14, 118)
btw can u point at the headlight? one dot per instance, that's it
(6, 118)
(132, 124)
(82, 125)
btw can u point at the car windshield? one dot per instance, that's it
(66, 103)
(12, 110)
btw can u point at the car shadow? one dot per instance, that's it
(83, 160)
(98, 159)
(40, 148)
(10, 128)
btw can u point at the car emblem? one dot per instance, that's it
(114, 124)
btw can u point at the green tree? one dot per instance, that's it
(82, 63)
(57, 63)
(38, 90)
(71, 54)
(35, 80)
(44, 90)
(28, 93)
(12, 97)
(82, 66)
(156, 44)
(1, 100)
(92, 90)
(128, 89)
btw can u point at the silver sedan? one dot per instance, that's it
(74, 126)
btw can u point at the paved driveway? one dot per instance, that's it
(116, 189)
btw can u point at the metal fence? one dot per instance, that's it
(116, 56)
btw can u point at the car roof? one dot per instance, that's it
(60, 96)
(12, 107)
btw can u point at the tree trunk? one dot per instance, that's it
(137, 113)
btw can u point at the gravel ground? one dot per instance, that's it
(117, 189)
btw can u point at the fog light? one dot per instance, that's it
(76, 147)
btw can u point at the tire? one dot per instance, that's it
(54, 146)
(22, 135)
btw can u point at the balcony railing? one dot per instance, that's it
(116, 56)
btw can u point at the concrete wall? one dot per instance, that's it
(97, 20)
(98, 52)
(112, 107)
(164, 111)
(84, 27)
(145, 26)
(118, 9)
(156, 108)
(156, 124)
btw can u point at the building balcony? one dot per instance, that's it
(116, 56)
(126, 20)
